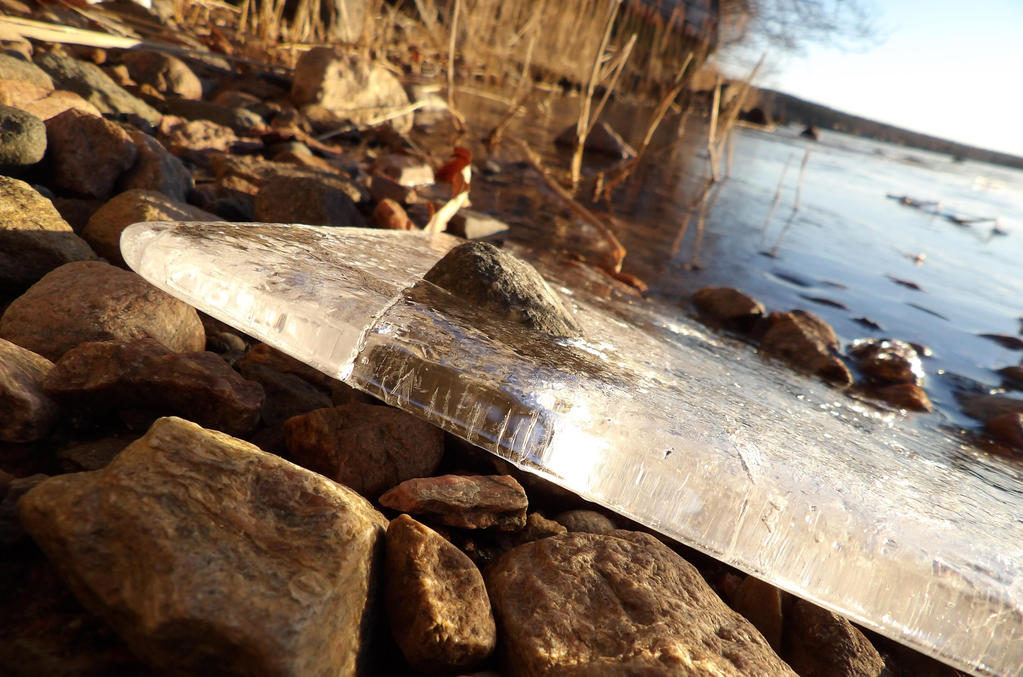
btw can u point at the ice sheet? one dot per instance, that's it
(907, 532)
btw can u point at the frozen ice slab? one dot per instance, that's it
(905, 531)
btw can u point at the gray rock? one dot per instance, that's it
(87, 154)
(156, 169)
(29, 413)
(617, 604)
(820, 643)
(363, 446)
(13, 68)
(209, 556)
(436, 601)
(347, 87)
(22, 138)
(34, 239)
(238, 119)
(312, 200)
(95, 86)
(496, 282)
(94, 301)
(463, 501)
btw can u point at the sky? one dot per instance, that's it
(949, 69)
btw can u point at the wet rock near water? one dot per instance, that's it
(908, 396)
(887, 360)
(618, 603)
(806, 342)
(366, 447)
(728, 307)
(144, 380)
(436, 600)
(463, 501)
(1007, 428)
(494, 281)
(206, 534)
(93, 301)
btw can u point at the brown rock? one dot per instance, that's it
(888, 360)
(1007, 428)
(807, 343)
(404, 170)
(436, 600)
(145, 376)
(537, 527)
(87, 154)
(92, 454)
(984, 407)
(58, 101)
(465, 501)
(819, 643)
(77, 211)
(208, 555)
(34, 239)
(28, 412)
(617, 604)
(11, 531)
(19, 93)
(340, 393)
(167, 74)
(287, 395)
(103, 232)
(94, 301)
(586, 521)
(156, 169)
(198, 137)
(366, 447)
(907, 396)
(729, 307)
(313, 200)
(760, 603)
(391, 215)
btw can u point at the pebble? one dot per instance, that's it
(1007, 428)
(22, 139)
(208, 534)
(907, 396)
(586, 521)
(34, 238)
(156, 169)
(820, 643)
(728, 307)
(391, 215)
(313, 200)
(616, 604)
(145, 377)
(92, 84)
(806, 342)
(94, 301)
(103, 231)
(464, 501)
(13, 68)
(366, 447)
(166, 73)
(887, 360)
(436, 601)
(87, 154)
(29, 413)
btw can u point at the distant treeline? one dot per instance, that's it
(784, 108)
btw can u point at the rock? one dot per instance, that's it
(13, 68)
(404, 170)
(11, 531)
(167, 74)
(348, 88)
(728, 307)
(887, 360)
(822, 644)
(984, 407)
(19, 94)
(143, 375)
(94, 301)
(340, 393)
(103, 232)
(190, 536)
(76, 210)
(601, 139)
(363, 446)
(95, 86)
(87, 154)
(1005, 340)
(312, 200)
(474, 225)
(287, 395)
(1013, 376)
(240, 120)
(806, 342)
(537, 527)
(391, 215)
(29, 413)
(156, 169)
(34, 239)
(907, 396)
(1007, 428)
(93, 454)
(464, 501)
(759, 602)
(617, 604)
(586, 521)
(496, 282)
(198, 137)
(436, 601)
(385, 188)
(58, 101)
(22, 139)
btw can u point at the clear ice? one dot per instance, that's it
(904, 531)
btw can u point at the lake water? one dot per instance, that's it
(848, 243)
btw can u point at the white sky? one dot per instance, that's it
(950, 69)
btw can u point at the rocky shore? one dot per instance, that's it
(178, 498)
